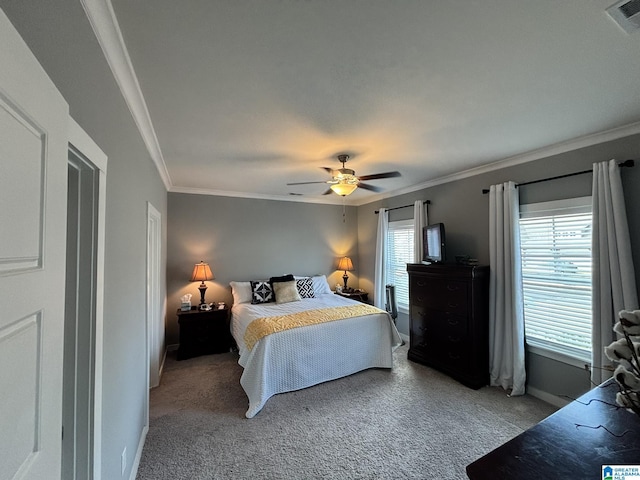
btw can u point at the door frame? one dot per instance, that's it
(154, 310)
(82, 143)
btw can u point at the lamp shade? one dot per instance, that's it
(345, 264)
(201, 272)
(344, 188)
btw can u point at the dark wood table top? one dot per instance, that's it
(573, 443)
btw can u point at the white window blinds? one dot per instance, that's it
(399, 253)
(556, 274)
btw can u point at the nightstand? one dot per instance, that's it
(359, 295)
(203, 332)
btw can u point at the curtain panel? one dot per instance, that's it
(379, 294)
(613, 277)
(419, 222)
(506, 307)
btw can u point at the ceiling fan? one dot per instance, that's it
(344, 180)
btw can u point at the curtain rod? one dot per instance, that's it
(626, 163)
(428, 202)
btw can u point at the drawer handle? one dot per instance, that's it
(453, 288)
(420, 299)
(452, 305)
(452, 321)
(454, 339)
(454, 356)
(420, 283)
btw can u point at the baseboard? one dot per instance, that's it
(548, 397)
(164, 358)
(170, 348)
(136, 461)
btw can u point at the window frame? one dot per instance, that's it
(398, 225)
(566, 354)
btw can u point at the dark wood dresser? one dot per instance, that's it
(449, 327)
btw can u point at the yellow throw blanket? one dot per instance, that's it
(261, 327)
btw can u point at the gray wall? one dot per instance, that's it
(248, 239)
(462, 207)
(59, 35)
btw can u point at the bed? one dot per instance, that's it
(309, 354)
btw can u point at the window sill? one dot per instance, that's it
(559, 357)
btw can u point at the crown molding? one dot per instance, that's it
(329, 200)
(105, 26)
(548, 151)
(544, 152)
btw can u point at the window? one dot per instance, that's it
(399, 253)
(556, 275)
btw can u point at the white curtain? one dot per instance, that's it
(419, 221)
(613, 277)
(506, 307)
(379, 286)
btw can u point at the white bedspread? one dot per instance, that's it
(305, 356)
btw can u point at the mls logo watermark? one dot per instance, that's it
(620, 472)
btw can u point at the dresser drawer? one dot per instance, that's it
(450, 323)
(420, 331)
(447, 295)
(456, 357)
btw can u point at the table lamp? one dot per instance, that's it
(201, 272)
(345, 264)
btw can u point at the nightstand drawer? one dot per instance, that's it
(203, 332)
(359, 295)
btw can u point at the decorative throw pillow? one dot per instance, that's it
(241, 292)
(274, 280)
(283, 278)
(286, 292)
(305, 287)
(261, 292)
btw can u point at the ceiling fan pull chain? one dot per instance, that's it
(344, 211)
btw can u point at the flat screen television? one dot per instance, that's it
(433, 243)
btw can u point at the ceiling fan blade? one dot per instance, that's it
(328, 192)
(377, 176)
(305, 183)
(366, 186)
(328, 170)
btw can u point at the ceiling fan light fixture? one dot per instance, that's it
(343, 188)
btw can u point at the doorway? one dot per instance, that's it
(82, 358)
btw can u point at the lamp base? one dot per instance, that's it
(345, 277)
(202, 288)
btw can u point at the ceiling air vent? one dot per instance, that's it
(626, 14)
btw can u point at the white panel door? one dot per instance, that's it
(33, 184)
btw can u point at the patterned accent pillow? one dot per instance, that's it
(305, 287)
(261, 292)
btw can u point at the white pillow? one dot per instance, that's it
(241, 292)
(320, 285)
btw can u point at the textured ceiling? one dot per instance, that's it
(248, 95)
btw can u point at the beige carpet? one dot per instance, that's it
(409, 422)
